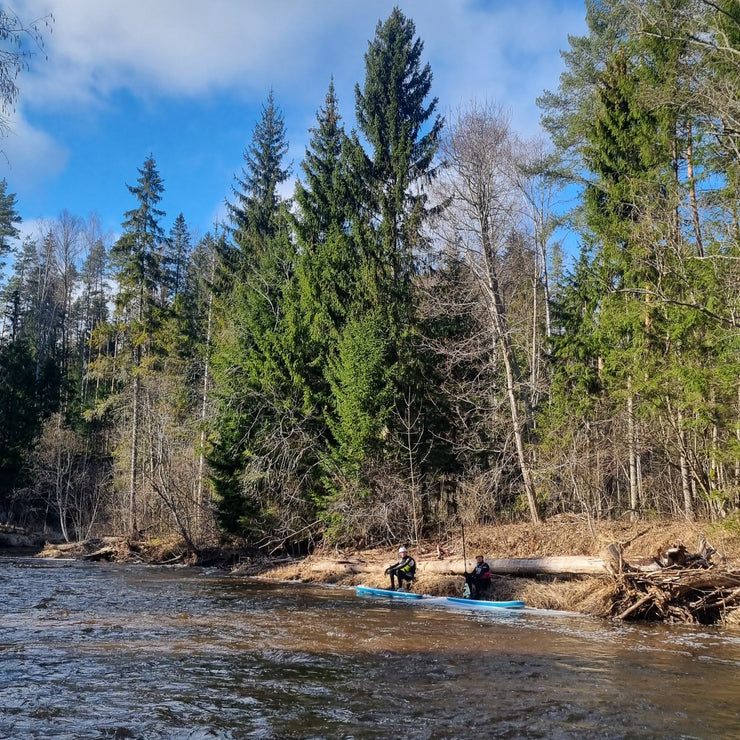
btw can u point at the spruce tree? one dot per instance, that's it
(402, 129)
(30, 378)
(640, 111)
(327, 268)
(253, 213)
(8, 219)
(176, 257)
(252, 387)
(138, 258)
(374, 365)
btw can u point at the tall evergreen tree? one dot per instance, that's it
(327, 269)
(176, 257)
(138, 257)
(254, 211)
(253, 393)
(138, 252)
(30, 380)
(92, 305)
(632, 111)
(399, 123)
(8, 219)
(375, 366)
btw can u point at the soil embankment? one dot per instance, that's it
(628, 570)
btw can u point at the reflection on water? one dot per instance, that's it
(111, 651)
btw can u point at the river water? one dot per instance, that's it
(92, 651)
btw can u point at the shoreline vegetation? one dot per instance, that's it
(663, 570)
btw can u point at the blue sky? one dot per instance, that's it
(185, 80)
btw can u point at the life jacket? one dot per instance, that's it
(482, 572)
(408, 565)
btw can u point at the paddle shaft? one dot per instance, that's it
(465, 557)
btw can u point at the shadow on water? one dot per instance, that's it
(113, 651)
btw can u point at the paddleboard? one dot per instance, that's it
(367, 591)
(489, 604)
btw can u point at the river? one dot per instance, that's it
(92, 651)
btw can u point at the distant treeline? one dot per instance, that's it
(402, 344)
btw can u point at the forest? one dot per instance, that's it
(405, 342)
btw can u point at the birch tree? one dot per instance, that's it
(482, 216)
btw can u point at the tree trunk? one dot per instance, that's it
(688, 508)
(563, 566)
(631, 443)
(200, 498)
(692, 193)
(737, 436)
(499, 326)
(133, 526)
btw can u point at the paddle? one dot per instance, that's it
(466, 587)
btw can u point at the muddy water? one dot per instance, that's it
(110, 651)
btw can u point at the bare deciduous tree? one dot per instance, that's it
(68, 479)
(482, 217)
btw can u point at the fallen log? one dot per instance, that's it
(107, 553)
(341, 567)
(566, 565)
(553, 566)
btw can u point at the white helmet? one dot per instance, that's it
(402, 550)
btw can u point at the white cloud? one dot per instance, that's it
(192, 48)
(29, 155)
(507, 53)
(181, 47)
(34, 228)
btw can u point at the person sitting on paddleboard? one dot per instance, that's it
(404, 569)
(479, 580)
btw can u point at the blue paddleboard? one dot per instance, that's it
(489, 604)
(367, 591)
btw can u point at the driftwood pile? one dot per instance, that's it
(113, 550)
(674, 586)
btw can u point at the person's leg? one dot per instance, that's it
(393, 581)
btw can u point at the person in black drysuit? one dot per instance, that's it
(404, 569)
(480, 579)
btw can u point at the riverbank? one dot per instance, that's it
(442, 561)
(639, 546)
